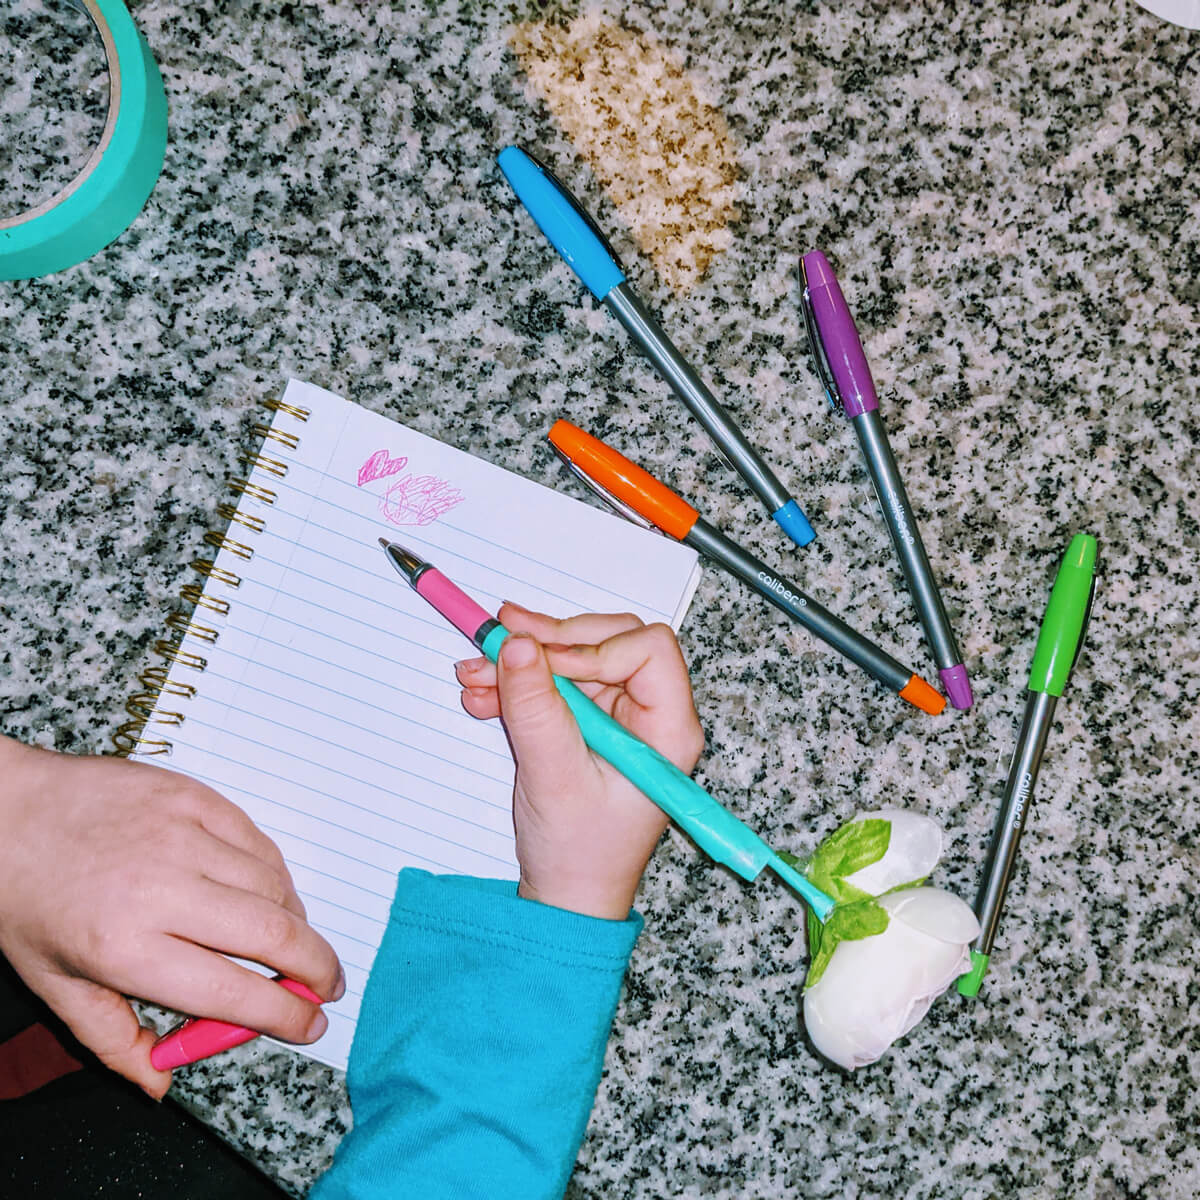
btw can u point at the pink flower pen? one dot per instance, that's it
(202, 1037)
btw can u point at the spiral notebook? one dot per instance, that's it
(315, 690)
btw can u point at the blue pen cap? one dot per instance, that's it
(794, 523)
(561, 218)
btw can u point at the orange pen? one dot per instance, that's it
(637, 495)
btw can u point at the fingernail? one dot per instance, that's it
(469, 666)
(518, 651)
(317, 1026)
(513, 604)
(339, 988)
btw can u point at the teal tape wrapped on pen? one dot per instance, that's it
(714, 829)
(101, 202)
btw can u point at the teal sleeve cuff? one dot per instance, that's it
(491, 908)
(479, 1045)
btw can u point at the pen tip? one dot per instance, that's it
(384, 543)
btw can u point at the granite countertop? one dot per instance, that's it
(1009, 193)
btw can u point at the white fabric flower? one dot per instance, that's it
(913, 851)
(875, 989)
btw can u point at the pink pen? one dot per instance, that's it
(713, 828)
(202, 1038)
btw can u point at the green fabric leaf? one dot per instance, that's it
(855, 845)
(818, 963)
(849, 922)
(814, 933)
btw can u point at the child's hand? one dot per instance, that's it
(584, 832)
(117, 878)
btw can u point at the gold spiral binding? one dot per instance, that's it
(210, 570)
(143, 707)
(141, 704)
(227, 543)
(128, 738)
(243, 487)
(263, 462)
(292, 410)
(228, 513)
(194, 594)
(185, 628)
(174, 652)
(290, 440)
(158, 680)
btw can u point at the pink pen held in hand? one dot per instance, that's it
(202, 1038)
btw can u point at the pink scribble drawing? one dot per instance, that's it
(379, 466)
(418, 500)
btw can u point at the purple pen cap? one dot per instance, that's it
(958, 686)
(835, 338)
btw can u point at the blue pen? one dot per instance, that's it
(586, 251)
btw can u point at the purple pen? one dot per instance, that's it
(842, 366)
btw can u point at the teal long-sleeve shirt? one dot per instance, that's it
(479, 1045)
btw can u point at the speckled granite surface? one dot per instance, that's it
(1009, 193)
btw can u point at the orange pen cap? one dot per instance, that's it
(613, 473)
(926, 697)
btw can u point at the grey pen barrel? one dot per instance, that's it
(713, 544)
(1014, 808)
(623, 303)
(902, 525)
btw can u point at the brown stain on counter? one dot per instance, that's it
(663, 152)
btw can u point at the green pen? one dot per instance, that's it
(1058, 647)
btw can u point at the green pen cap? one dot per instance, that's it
(968, 983)
(1066, 619)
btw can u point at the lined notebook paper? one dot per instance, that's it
(316, 689)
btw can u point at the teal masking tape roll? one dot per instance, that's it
(100, 203)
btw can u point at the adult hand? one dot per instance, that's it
(584, 833)
(121, 879)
